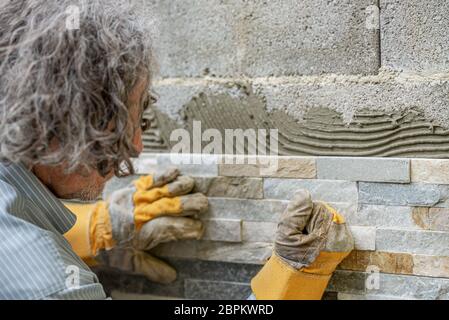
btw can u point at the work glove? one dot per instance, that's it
(311, 240)
(151, 210)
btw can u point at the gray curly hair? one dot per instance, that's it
(69, 85)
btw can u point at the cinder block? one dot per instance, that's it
(410, 241)
(398, 194)
(229, 38)
(216, 290)
(430, 171)
(312, 37)
(227, 187)
(325, 190)
(414, 35)
(225, 230)
(364, 237)
(364, 169)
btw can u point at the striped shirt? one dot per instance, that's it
(36, 261)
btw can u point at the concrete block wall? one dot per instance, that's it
(397, 209)
(336, 78)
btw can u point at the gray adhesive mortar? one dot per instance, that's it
(386, 92)
(320, 129)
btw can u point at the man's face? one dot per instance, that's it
(88, 186)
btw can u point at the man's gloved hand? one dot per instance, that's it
(153, 209)
(311, 240)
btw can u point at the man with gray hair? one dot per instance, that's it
(72, 98)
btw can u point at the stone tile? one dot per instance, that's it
(259, 231)
(294, 167)
(411, 241)
(364, 237)
(119, 295)
(347, 281)
(413, 287)
(399, 194)
(348, 296)
(178, 249)
(174, 289)
(227, 187)
(189, 164)
(435, 219)
(430, 171)
(387, 262)
(364, 169)
(325, 190)
(398, 217)
(346, 209)
(279, 166)
(239, 170)
(251, 252)
(225, 230)
(216, 290)
(390, 285)
(214, 270)
(431, 266)
(249, 210)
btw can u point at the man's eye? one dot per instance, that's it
(153, 98)
(145, 124)
(146, 104)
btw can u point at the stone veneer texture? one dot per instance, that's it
(398, 211)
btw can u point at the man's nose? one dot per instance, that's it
(137, 141)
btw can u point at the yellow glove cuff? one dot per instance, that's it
(100, 229)
(279, 281)
(92, 231)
